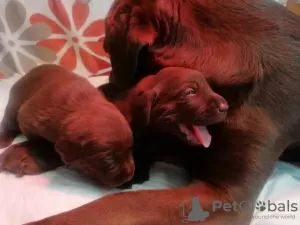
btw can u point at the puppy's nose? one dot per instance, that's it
(219, 106)
(129, 168)
(223, 107)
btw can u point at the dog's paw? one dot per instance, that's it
(17, 160)
(5, 140)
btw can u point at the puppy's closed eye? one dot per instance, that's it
(68, 150)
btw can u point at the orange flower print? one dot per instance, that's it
(73, 39)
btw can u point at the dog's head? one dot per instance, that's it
(178, 101)
(99, 145)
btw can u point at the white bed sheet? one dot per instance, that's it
(34, 197)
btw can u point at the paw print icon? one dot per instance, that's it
(261, 206)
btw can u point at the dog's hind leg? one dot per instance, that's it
(31, 157)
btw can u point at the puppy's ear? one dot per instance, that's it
(128, 34)
(110, 91)
(68, 150)
(124, 57)
(142, 106)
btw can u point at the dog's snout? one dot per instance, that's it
(219, 106)
(125, 173)
(223, 107)
(129, 168)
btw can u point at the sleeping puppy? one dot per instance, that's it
(88, 131)
(176, 101)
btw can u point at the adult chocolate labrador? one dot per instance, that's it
(250, 50)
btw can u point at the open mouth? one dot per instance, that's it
(195, 134)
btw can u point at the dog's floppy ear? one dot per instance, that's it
(142, 106)
(68, 150)
(128, 33)
(110, 91)
(124, 57)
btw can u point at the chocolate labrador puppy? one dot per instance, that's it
(249, 50)
(60, 107)
(176, 101)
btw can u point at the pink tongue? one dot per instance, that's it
(202, 135)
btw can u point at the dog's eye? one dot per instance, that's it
(190, 91)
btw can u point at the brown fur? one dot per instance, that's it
(172, 101)
(88, 131)
(30, 158)
(249, 50)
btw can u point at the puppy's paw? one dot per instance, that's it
(5, 139)
(15, 159)
(30, 158)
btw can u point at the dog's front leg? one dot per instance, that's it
(30, 157)
(156, 207)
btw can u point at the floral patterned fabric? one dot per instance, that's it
(65, 32)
